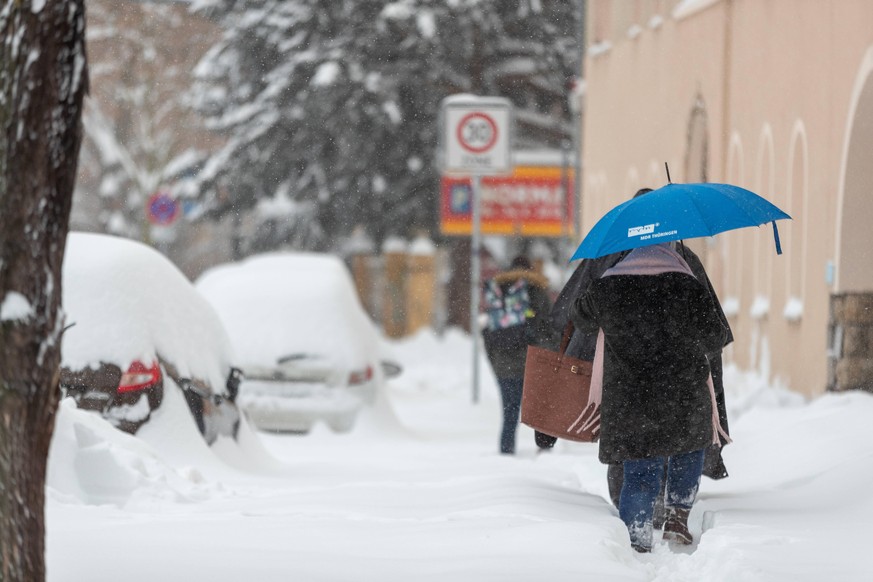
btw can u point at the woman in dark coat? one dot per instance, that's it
(659, 322)
(582, 347)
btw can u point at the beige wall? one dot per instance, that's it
(779, 84)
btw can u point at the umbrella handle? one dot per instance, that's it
(776, 239)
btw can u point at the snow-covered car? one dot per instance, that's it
(307, 349)
(137, 327)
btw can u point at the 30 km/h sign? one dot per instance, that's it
(477, 132)
(476, 135)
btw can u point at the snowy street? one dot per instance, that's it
(418, 491)
(242, 240)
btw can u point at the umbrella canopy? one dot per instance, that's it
(675, 212)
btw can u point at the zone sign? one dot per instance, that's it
(477, 135)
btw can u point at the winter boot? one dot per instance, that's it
(660, 514)
(640, 536)
(676, 526)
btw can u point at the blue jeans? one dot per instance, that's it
(510, 393)
(642, 482)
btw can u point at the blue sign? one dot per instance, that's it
(460, 198)
(162, 209)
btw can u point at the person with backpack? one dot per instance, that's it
(517, 306)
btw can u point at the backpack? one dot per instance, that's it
(507, 314)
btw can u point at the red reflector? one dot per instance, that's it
(361, 376)
(138, 377)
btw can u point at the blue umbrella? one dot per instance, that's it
(675, 212)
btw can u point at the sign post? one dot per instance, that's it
(476, 134)
(475, 276)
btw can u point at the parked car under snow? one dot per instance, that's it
(137, 327)
(307, 349)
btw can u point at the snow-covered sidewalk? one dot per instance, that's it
(418, 492)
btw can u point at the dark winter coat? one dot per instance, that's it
(510, 363)
(657, 331)
(582, 344)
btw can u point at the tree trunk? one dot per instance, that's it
(459, 284)
(43, 77)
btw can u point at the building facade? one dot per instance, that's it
(772, 95)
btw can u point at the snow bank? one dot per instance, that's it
(92, 462)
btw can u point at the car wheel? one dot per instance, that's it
(156, 396)
(342, 424)
(195, 404)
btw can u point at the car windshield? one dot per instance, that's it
(287, 307)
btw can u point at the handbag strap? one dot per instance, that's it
(565, 339)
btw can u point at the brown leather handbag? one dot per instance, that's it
(555, 396)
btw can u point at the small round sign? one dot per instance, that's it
(477, 132)
(162, 209)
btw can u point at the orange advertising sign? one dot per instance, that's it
(532, 201)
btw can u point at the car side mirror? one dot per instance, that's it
(391, 369)
(234, 378)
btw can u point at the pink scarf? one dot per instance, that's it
(650, 260)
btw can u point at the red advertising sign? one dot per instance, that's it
(532, 201)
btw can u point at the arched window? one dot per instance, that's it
(657, 177)
(696, 170)
(794, 230)
(696, 156)
(762, 249)
(732, 245)
(596, 200)
(632, 183)
(854, 235)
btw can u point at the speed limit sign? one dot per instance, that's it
(476, 135)
(477, 132)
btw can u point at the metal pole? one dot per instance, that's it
(475, 274)
(565, 188)
(581, 22)
(577, 175)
